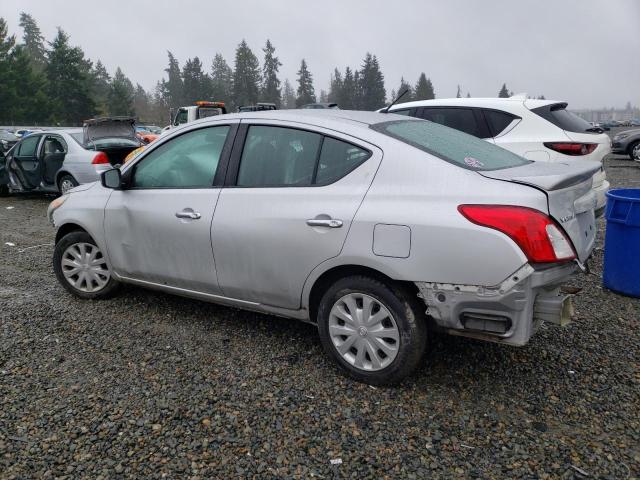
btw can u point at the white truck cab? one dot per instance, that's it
(201, 109)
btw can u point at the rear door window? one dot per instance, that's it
(450, 145)
(559, 115)
(278, 156)
(463, 119)
(498, 121)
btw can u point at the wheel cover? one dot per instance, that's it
(66, 185)
(85, 268)
(636, 153)
(364, 332)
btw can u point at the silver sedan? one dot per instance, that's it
(375, 227)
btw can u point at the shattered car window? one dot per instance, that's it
(450, 145)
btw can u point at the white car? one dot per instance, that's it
(540, 130)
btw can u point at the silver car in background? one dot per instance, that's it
(375, 227)
(56, 161)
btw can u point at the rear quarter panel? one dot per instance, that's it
(423, 193)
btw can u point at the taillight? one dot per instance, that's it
(535, 233)
(100, 159)
(572, 148)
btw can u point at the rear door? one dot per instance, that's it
(158, 228)
(25, 164)
(290, 198)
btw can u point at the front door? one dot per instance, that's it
(290, 198)
(158, 228)
(25, 164)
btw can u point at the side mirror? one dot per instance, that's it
(111, 178)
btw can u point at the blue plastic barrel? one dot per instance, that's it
(622, 242)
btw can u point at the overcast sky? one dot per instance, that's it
(586, 52)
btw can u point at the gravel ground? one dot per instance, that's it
(150, 385)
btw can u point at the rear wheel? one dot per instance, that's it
(66, 183)
(374, 331)
(634, 150)
(4, 190)
(81, 267)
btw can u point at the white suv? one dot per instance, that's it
(541, 130)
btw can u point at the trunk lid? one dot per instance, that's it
(570, 197)
(112, 127)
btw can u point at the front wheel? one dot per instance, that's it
(81, 267)
(374, 331)
(4, 191)
(634, 151)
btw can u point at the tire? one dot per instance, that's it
(70, 255)
(4, 191)
(393, 360)
(631, 148)
(635, 152)
(66, 182)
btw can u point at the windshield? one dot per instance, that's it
(450, 145)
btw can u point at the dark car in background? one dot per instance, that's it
(7, 140)
(627, 143)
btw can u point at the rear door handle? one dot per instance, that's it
(188, 214)
(331, 223)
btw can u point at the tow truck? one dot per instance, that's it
(201, 109)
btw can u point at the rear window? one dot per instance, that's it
(560, 117)
(451, 145)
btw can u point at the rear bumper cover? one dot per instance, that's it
(507, 313)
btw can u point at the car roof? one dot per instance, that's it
(317, 117)
(476, 102)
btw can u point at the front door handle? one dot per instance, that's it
(318, 222)
(188, 214)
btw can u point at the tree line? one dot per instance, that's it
(55, 83)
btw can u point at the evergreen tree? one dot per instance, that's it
(246, 76)
(372, 89)
(504, 91)
(459, 94)
(160, 110)
(357, 90)
(324, 97)
(222, 81)
(424, 89)
(195, 82)
(392, 96)
(121, 95)
(408, 97)
(348, 92)
(172, 88)
(468, 95)
(101, 87)
(32, 104)
(8, 91)
(33, 42)
(142, 104)
(335, 87)
(306, 92)
(270, 82)
(69, 82)
(288, 96)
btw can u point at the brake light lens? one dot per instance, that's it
(539, 237)
(572, 148)
(100, 159)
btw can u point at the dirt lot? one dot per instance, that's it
(150, 385)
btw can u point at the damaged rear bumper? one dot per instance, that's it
(510, 312)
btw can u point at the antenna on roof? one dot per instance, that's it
(386, 110)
